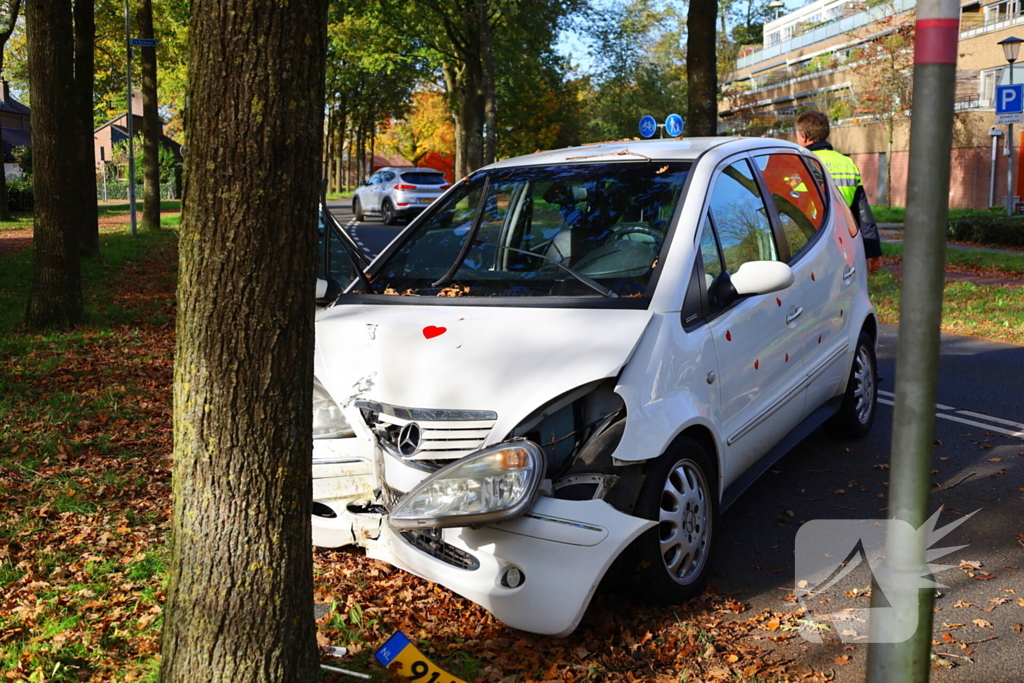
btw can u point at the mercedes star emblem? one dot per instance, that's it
(409, 439)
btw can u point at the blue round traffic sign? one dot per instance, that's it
(648, 126)
(674, 125)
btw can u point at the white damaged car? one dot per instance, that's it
(583, 356)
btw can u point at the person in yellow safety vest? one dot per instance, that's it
(812, 131)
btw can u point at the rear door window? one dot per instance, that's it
(797, 196)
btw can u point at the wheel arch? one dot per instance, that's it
(703, 436)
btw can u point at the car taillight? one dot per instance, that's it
(444, 187)
(405, 187)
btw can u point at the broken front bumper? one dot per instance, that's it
(537, 572)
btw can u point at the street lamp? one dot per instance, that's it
(1011, 48)
(776, 6)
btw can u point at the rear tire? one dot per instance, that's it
(673, 560)
(860, 403)
(387, 213)
(357, 209)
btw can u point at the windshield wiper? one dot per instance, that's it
(597, 287)
(470, 236)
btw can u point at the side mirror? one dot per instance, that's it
(761, 277)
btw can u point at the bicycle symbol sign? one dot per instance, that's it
(648, 126)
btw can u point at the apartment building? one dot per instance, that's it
(826, 56)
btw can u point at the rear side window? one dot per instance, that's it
(797, 196)
(422, 178)
(741, 218)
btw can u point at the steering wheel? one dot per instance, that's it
(635, 230)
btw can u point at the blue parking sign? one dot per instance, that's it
(1009, 99)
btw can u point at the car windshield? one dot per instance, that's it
(587, 230)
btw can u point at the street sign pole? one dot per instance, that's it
(131, 127)
(1009, 164)
(891, 655)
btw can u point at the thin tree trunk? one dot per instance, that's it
(6, 28)
(490, 96)
(85, 71)
(240, 593)
(55, 300)
(5, 201)
(701, 69)
(151, 128)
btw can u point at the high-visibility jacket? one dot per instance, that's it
(843, 171)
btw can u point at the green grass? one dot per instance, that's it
(975, 260)
(984, 311)
(124, 207)
(19, 221)
(84, 442)
(897, 214)
(337, 196)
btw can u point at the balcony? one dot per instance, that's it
(826, 31)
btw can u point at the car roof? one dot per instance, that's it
(673, 149)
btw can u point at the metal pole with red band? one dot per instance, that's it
(899, 648)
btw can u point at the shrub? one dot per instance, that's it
(19, 194)
(119, 191)
(988, 229)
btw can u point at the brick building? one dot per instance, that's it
(813, 58)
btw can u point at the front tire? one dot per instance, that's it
(674, 558)
(387, 213)
(860, 403)
(357, 209)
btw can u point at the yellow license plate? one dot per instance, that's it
(401, 657)
(426, 201)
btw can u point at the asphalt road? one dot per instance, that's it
(371, 234)
(979, 466)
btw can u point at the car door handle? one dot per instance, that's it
(848, 273)
(794, 315)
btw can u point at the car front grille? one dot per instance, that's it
(434, 435)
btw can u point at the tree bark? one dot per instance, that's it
(151, 128)
(240, 596)
(701, 69)
(55, 300)
(6, 28)
(490, 95)
(85, 71)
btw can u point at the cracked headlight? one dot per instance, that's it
(492, 485)
(328, 422)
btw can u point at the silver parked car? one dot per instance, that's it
(397, 193)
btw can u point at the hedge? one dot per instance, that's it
(119, 191)
(19, 196)
(989, 230)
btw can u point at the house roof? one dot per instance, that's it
(12, 106)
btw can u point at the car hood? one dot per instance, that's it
(506, 360)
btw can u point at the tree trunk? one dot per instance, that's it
(151, 128)
(240, 593)
(701, 69)
(55, 300)
(6, 28)
(5, 201)
(490, 96)
(85, 72)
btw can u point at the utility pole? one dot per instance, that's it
(891, 656)
(131, 116)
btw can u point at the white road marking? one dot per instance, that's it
(1019, 433)
(892, 395)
